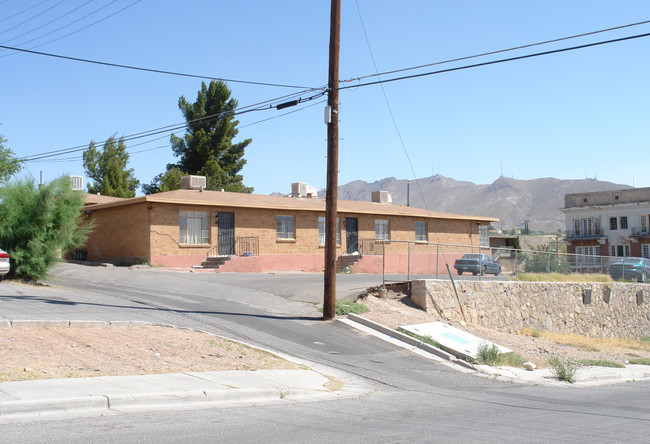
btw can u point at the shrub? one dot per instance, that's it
(564, 368)
(39, 224)
(489, 354)
(640, 361)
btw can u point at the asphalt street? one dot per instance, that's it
(414, 399)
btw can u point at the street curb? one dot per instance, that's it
(409, 340)
(17, 409)
(11, 410)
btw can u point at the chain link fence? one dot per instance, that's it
(430, 260)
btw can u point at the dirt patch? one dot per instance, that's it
(536, 346)
(68, 352)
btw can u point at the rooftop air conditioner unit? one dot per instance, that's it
(192, 182)
(381, 197)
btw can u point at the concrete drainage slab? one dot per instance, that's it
(455, 341)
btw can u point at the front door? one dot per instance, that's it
(226, 239)
(351, 235)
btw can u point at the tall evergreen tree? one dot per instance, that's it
(108, 169)
(9, 164)
(206, 148)
(167, 181)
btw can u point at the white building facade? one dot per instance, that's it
(608, 223)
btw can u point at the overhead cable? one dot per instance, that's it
(530, 45)
(494, 62)
(157, 71)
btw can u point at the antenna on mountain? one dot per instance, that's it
(501, 166)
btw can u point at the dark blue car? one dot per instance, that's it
(477, 263)
(630, 269)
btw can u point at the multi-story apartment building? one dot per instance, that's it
(608, 223)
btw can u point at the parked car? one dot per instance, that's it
(630, 268)
(5, 263)
(477, 263)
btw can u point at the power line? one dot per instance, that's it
(157, 71)
(31, 18)
(173, 127)
(24, 10)
(495, 62)
(52, 21)
(498, 51)
(73, 22)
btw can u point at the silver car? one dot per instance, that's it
(4, 263)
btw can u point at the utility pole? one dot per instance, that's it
(329, 298)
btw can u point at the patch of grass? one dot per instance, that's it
(559, 277)
(601, 363)
(640, 361)
(489, 354)
(344, 308)
(565, 369)
(426, 339)
(633, 355)
(513, 359)
(534, 332)
(645, 339)
(582, 346)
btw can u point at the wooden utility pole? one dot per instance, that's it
(329, 298)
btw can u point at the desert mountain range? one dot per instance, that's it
(513, 201)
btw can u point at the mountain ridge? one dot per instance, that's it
(513, 201)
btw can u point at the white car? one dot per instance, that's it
(4, 263)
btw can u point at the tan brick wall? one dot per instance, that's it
(122, 231)
(119, 233)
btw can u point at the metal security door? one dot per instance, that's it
(351, 235)
(226, 239)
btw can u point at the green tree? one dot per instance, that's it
(9, 164)
(37, 224)
(108, 169)
(167, 181)
(207, 149)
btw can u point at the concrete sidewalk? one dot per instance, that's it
(29, 400)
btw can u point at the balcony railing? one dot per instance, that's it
(640, 232)
(591, 234)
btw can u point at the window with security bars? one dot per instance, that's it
(381, 229)
(321, 231)
(194, 227)
(285, 227)
(420, 231)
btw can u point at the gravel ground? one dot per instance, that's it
(396, 309)
(67, 352)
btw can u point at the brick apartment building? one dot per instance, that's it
(608, 223)
(270, 233)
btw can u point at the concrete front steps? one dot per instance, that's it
(213, 263)
(346, 260)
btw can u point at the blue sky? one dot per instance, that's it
(571, 115)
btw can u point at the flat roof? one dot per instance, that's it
(245, 200)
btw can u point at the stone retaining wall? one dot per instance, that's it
(592, 309)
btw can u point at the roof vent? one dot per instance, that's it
(299, 189)
(381, 197)
(192, 182)
(77, 182)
